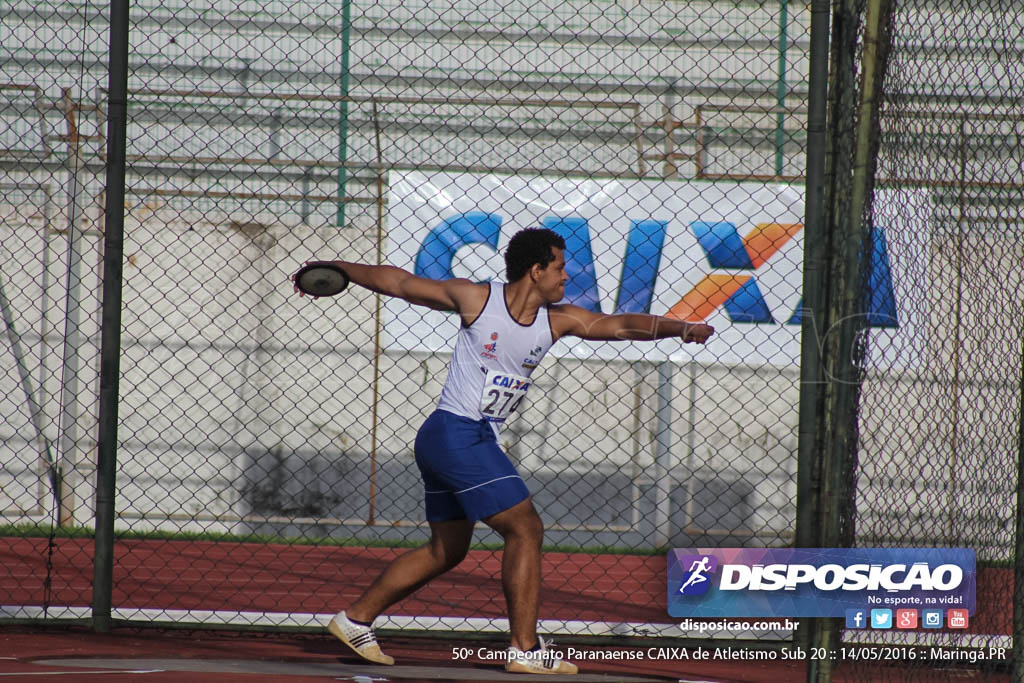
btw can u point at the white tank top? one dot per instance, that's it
(494, 357)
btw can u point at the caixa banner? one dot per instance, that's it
(818, 582)
(726, 253)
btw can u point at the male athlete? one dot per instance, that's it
(506, 330)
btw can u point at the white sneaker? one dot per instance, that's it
(360, 638)
(542, 661)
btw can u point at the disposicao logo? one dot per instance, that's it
(825, 582)
(697, 579)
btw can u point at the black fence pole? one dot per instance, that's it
(812, 376)
(110, 341)
(1018, 557)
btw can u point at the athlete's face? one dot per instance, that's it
(551, 279)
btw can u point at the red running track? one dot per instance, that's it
(250, 577)
(203, 575)
(186, 575)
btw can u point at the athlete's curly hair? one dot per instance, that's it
(528, 247)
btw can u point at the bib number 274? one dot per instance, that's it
(502, 394)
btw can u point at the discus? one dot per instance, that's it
(321, 278)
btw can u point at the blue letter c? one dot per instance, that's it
(434, 259)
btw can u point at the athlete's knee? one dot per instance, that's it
(449, 544)
(447, 557)
(520, 522)
(533, 525)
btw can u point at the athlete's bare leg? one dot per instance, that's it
(449, 542)
(523, 531)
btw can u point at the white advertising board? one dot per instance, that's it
(727, 253)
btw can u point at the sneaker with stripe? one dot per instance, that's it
(540, 660)
(358, 637)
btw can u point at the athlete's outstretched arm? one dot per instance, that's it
(442, 295)
(579, 322)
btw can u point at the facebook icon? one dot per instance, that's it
(856, 618)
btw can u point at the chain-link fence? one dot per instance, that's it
(264, 134)
(940, 414)
(266, 440)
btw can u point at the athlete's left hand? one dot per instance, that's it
(697, 332)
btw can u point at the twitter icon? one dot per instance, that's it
(881, 618)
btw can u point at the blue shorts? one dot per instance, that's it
(466, 475)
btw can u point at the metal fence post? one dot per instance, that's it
(1018, 557)
(663, 458)
(110, 351)
(811, 376)
(71, 401)
(780, 90)
(850, 205)
(346, 32)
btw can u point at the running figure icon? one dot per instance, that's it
(698, 569)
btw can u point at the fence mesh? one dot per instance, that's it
(265, 465)
(262, 134)
(940, 405)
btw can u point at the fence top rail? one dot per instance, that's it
(913, 114)
(957, 116)
(20, 86)
(751, 108)
(284, 97)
